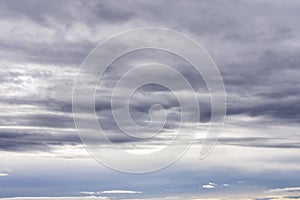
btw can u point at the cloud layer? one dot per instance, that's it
(255, 44)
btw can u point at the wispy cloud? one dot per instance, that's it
(3, 174)
(120, 192)
(111, 192)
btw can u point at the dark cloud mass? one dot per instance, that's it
(42, 45)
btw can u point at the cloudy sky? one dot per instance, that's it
(256, 46)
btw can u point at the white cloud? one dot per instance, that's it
(208, 186)
(214, 184)
(3, 174)
(110, 192)
(120, 192)
(289, 189)
(89, 193)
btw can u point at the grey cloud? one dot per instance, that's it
(21, 141)
(292, 197)
(35, 10)
(50, 24)
(253, 47)
(50, 104)
(288, 111)
(109, 12)
(51, 121)
(259, 142)
(66, 12)
(267, 198)
(73, 54)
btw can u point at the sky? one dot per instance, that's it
(256, 47)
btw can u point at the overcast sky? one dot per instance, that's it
(256, 46)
